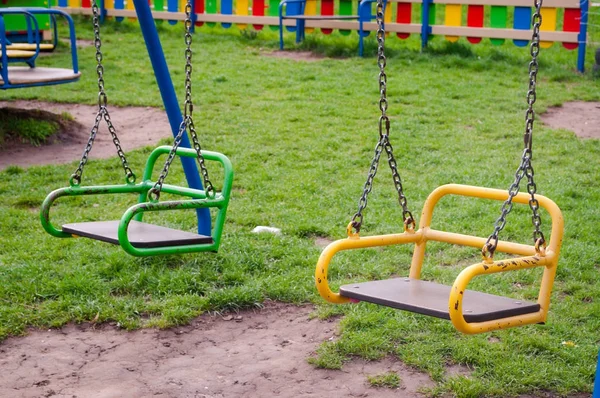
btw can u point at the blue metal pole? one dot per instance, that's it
(582, 38)
(167, 91)
(425, 28)
(596, 393)
(102, 11)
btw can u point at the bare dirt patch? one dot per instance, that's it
(136, 126)
(583, 118)
(141, 126)
(261, 353)
(322, 241)
(295, 55)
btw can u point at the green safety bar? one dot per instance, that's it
(135, 212)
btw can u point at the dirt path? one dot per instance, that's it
(136, 127)
(583, 118)
(260, 353)
(139, 126)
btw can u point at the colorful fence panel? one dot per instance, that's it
(258, 10)
(499, 21)
(403, 16)
(522, 21)
(326, 10)
(475, 17)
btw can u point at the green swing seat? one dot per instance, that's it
(143, 239)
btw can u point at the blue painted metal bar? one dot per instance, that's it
(169, 97)
(425, 28)
(365, 15)
(4, 56)
(582, 38)
(292, 7)
(102, 6)
(596, 393)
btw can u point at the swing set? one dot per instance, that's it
(469, 311)
(130, 232)
(19, 53)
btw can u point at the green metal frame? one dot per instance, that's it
(198, 200)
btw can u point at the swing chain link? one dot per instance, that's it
(187, 122)
(384, 134)
(154, 192)
(525, 168)
(75, 179)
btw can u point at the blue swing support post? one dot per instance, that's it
(169, 97)
(596, 392)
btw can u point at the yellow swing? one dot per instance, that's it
(470, 311)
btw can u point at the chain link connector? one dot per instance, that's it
(188, 108)
(540, 247)
(153, 195)
(102, 100)
(487, 252)
(210, 192)
(75, 180)
(130, 178)
(409, 222)
(384, 126)
(350, 231)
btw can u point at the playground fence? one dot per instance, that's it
(500, 21)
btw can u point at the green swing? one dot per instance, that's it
(134, 236)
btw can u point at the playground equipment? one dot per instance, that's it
(20, 32)
(596, 393)
(136, 237)
(30, 76)
(470, 311)
(297, 10)
(500, 21)
(29, 42)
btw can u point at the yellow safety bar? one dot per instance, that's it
(530, 256)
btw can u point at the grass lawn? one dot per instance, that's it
(301, 138)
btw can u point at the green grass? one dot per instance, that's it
(387, 380)
(301, 137)
(26, 127)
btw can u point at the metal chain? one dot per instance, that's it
(383, 143)
(525, 168)
(187, 122)
(154, 192)
(75, 179)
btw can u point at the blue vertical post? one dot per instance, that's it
(582, 38)
(167, 91)
(425, 28)
(102, 12)
(596, 393)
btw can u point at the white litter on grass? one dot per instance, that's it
(270, 230)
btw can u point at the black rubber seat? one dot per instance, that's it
(140, 234)
(429, 298)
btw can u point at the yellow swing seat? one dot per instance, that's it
(18, 53)
(470, 311)
(30, 47)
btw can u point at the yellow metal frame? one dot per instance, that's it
(530, 257)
